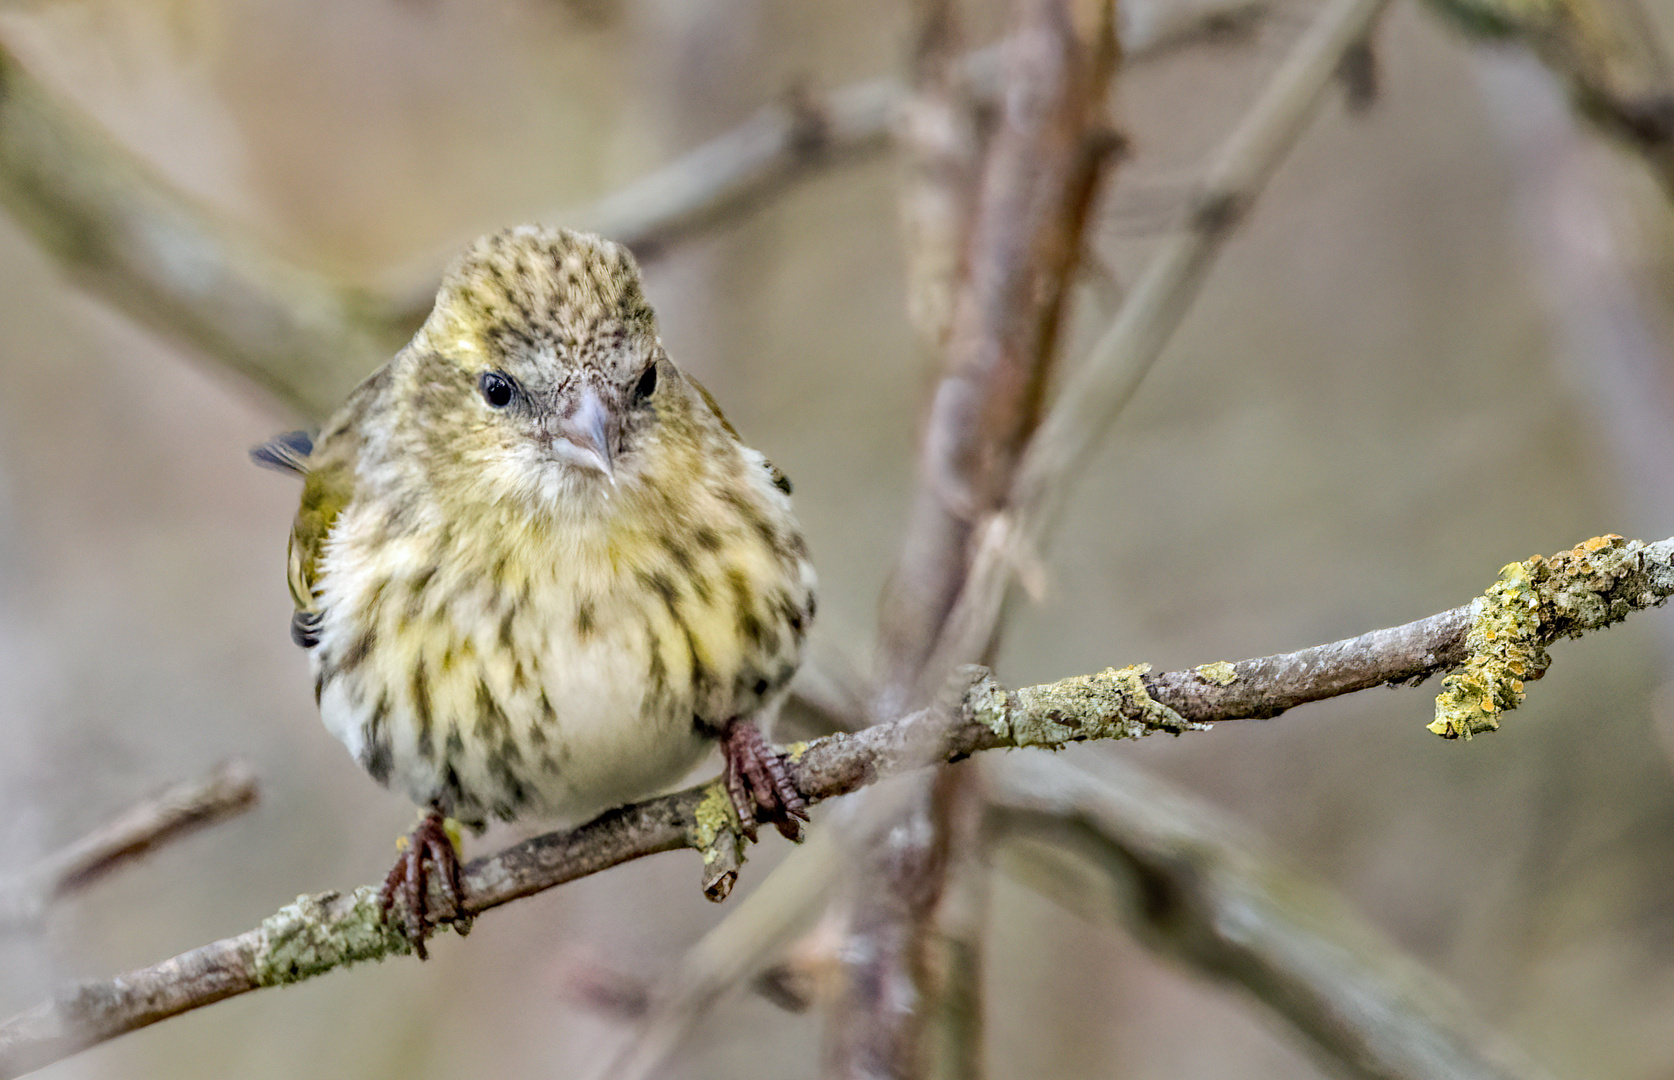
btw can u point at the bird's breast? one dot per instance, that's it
(526, 669)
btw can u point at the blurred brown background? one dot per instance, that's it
(1440, 344)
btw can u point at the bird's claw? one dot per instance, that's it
(759, 784)
(429, 851)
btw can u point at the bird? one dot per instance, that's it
(536, 571)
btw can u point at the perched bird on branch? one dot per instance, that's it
(537, 573)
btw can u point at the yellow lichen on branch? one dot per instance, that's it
(1533, 603)
(1505, 649)
(1220, 673)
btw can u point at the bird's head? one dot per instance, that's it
(539, 379)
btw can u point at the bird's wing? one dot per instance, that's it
(774, 473)
(714, 406)
(329, 488)
(327, 465)
(285, 453)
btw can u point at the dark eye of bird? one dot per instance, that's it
(647, 384)
(496, 389)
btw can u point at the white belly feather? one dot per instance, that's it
(436, 703)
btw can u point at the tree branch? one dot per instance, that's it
(1015, 247)
(1606, 53)
(329, 930)
(134, 240)
(1036, 189)
(174, 812)
(1095, 392)
(1201, 891)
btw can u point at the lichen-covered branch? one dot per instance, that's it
(1534, 603)
(1196, 888)
(174, 812)
(321, 932)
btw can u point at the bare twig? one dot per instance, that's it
(132, 239)
(1199, 890)
(172, 813)
(319, 933)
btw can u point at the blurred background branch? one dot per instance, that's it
(1199, 890)
(1605, 53)
(177, 811)
(134, 240)
(130, 237)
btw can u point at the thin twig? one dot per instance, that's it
(174, 812)
(1199, 890)
(319, 933)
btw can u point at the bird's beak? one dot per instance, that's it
(587, 435)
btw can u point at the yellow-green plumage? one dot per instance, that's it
(537, 570)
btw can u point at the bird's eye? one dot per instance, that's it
(647, 384)
(497, 389)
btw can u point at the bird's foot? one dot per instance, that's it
(758, 783)
(428, 852)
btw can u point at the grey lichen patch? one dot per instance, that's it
(318, 933)
(718, 836)
(1113, 704)
(987, 703)
(1219, 673)
(1598, 583)
(1532, 604)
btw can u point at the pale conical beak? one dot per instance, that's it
(587, 436)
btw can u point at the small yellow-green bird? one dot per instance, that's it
(536, 571)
